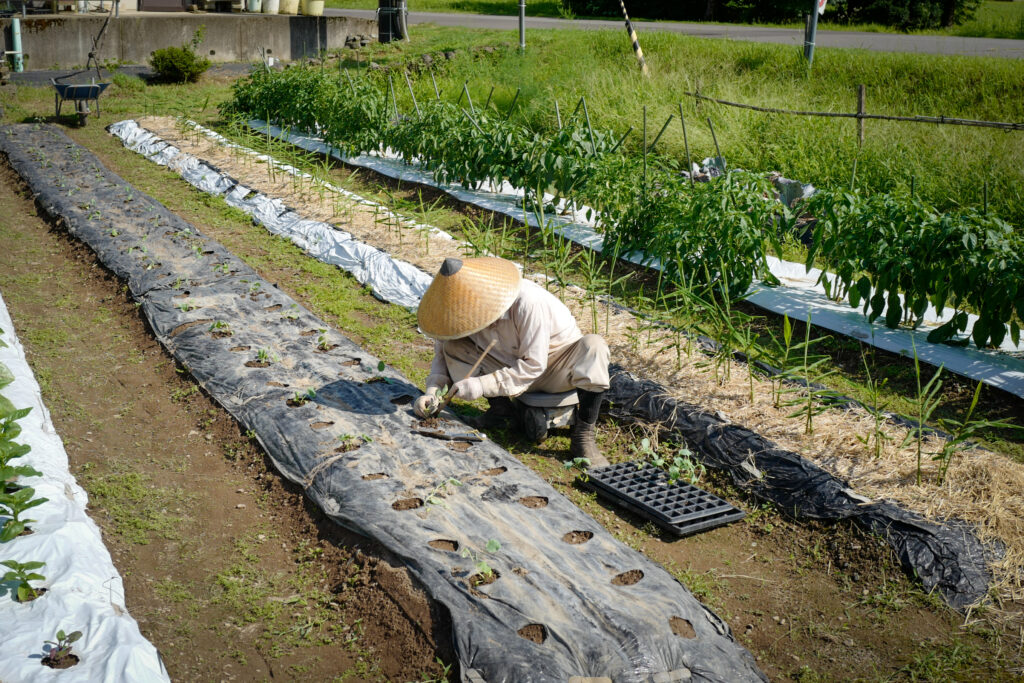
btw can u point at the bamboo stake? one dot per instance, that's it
(472, 370)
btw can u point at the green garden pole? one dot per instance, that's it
(19, 64)
(522, 25)
(812, 32)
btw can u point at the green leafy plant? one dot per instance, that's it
(15, 504)
(23, 573)
(440, 492)
(876, 407)
(220, 328)
(963, 431)
(926, 399)
(61, 649)
(303, 397)
(181, 64)
(479, 561)
(265, 356)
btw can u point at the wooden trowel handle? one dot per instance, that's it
(472, 371)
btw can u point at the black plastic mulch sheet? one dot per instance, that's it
(946, 557)
(557, 609)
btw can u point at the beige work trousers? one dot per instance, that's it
(580, 365)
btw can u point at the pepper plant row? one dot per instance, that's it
(891, 254)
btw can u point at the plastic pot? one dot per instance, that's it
(271, 6)
(253, 5)
(313, 8)
(289, 6)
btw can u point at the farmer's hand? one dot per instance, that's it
(427, 404)
(469, 389)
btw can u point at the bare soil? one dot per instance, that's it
(236, 576)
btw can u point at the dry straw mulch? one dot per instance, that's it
(982, 487)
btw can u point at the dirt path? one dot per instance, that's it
(230, 573)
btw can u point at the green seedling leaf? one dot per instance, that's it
(493, 545)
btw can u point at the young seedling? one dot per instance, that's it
(925, 402)
(479, 563)
(581, 465)
(876, 408)
(60, 656)
(683, 466)
(321, 341)
(264, 356)
(22, 573)
(302, 397)
(441, 491)
(219, 328)
(292, 313)
(186, 306)
(963, 431)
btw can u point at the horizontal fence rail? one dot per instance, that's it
(862, 115)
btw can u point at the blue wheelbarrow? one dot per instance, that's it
(80, 94)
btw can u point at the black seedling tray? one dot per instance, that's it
(680, 508)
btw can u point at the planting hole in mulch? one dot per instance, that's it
(628, 578)
(444, 544)
(494, 471)
(307, 333)
(276, 384)
(39, 591)
(402, 400)
(459, 446)
(220, 334)
(240, 348)
(482, 579)
(534, 632)
(578, 537)
(321, 425)
(534, 502)
(297, 403)
(520, 571)
(682, 628)
(256, 364)
(351, 362)
(374, 476)
(65, 662)
(184, 326)
(273, 309)
(183, 295)
(407, 504)
(348, 445)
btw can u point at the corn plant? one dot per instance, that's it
(962, 432)
(23, 573)
(876, 407)
(926, 399)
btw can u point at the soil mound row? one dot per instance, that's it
(552, 611)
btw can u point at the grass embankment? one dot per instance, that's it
(993, 19)
(948, 165)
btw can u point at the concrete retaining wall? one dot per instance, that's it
(59, 42)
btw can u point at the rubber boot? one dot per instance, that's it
(500, 413)
(535, 424)
(583, 443)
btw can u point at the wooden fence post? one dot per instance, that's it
(861, 96)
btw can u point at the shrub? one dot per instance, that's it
(180, 64)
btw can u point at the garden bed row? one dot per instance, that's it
(68, 582)
(945, 557)
(334, 419)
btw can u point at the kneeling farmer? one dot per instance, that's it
(538, 348)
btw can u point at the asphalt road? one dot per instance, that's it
(880, 42)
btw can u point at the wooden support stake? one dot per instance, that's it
(861, 97)
(686, 145)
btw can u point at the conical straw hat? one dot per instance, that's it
(467, 295)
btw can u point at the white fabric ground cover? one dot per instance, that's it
(84, 590)
(799, 296)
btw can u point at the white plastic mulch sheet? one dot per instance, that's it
(83, 589)
(390, 280)
(800, 296)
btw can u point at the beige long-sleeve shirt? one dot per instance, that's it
(535, 327)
